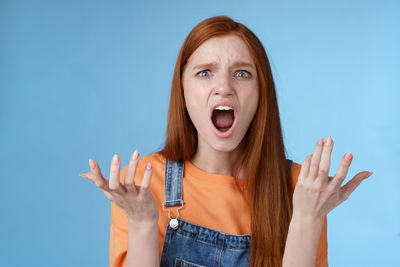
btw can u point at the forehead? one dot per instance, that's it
(223, 49)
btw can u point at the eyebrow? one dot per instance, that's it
(236, 64)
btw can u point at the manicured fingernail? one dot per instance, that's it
(115, 159)
(135, 155)
(148, 166)
(348, 156)
(321, 141)
(91, 164)
(370, 173)
(328, 141)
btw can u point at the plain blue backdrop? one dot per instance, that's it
(87, 79)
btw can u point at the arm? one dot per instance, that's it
(143, 245)
(302, 242)
(128, 241)
(315, 195)
(139, 207)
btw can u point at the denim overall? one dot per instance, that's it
(191, 245)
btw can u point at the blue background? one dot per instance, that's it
(87, 79)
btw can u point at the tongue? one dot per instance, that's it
(222, 118)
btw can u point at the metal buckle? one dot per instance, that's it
(173, 222)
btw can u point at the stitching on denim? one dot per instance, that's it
(212, 230)
(167, 240)
(190, 236)
(187, 263)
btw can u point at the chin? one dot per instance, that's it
(225, 146)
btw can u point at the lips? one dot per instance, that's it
(229, 131)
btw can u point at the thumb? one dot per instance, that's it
(86, 175)
(351, 185)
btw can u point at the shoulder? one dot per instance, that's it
(294, 173)
(156, 160)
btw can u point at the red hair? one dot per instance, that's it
(269, 189)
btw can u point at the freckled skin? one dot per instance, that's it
(221, 82)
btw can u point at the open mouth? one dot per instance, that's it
(223, 119)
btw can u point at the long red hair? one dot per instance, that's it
(269, 189)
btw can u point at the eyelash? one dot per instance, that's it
(244, 71)
(203, 71)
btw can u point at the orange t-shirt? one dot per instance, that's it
(210, 200)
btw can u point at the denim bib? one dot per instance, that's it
(191, 245)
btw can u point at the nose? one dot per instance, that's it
(224, 86)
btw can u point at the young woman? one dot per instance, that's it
(222, 177)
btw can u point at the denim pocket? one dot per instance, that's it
(183, 263)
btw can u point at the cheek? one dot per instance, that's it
(195, 96)
(250, 101)
(255, 101)
(196, 104)
(254, 96)
(190, 100)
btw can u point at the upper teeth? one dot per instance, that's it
(223, 108)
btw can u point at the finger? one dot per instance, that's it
(305, 166)
(89, 176)
(86, 175)
(342, 171)
(145, 185)
(325, 162)
(114, 183)
(98, 178)
(315, 160)
(108, 194)
(130, 173)
(351, 185)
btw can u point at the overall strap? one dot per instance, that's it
(289, 161)
(173, 183)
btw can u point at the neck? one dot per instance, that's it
(213, 161)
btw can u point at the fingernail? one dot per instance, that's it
(91, 164)
(115, 159)
(328, 141)
(370, 173)
(148, 166)
(321, 141)
(135, 155)
(348, 156)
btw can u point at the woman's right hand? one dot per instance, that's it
(136, 202)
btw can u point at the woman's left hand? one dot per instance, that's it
(316, 193)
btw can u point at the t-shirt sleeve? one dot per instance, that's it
(322, 256)
(118, 246)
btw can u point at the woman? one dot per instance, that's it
(222, 174)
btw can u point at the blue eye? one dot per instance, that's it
(242, 74)
(204, 73)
